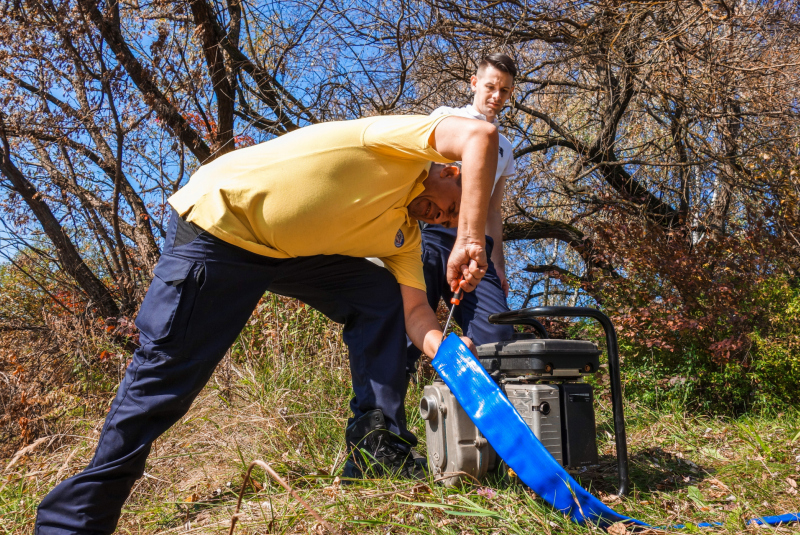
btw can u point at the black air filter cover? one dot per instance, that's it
(540, 356)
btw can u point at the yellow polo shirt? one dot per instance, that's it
(331, 188)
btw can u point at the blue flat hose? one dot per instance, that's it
(515, 443)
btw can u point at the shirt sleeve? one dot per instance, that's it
(407, 268)
(443, 110)
(511, 168)
(404, 137)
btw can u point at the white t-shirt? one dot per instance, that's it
(505, 155)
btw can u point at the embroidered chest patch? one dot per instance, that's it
(399, 238)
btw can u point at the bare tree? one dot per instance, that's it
(654, 111)
(649, 113)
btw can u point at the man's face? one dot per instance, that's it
(492, 89)
(441, 201)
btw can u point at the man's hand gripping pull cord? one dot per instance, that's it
(466, 266)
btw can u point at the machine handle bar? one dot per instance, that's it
(514, 320)
(526, 315)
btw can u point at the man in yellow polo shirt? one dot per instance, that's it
(296, 216)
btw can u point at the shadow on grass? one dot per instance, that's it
(650, 470)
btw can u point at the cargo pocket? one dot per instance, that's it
(168, 302)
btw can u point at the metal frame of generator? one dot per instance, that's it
(543, 379)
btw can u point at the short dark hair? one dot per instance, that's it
(500, 62)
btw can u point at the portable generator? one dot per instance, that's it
(544, 379)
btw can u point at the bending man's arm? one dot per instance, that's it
(421, 324)
(475, 144)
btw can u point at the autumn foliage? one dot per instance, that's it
(709, 320)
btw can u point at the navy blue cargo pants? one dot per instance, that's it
(472, 315)
(203, 293)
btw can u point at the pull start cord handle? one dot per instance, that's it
(455, 300)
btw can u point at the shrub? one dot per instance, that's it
(710, 322)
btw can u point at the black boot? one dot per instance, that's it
(374, 451)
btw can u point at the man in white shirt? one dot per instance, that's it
(492, 85)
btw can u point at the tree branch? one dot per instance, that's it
(66, 250)
(556, 230)
(549, 268)
(109, 28)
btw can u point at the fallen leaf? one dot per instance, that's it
(714, 481)
(617, 529)
(419, 488)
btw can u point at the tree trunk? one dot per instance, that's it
(67, 253)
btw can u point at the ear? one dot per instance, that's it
(473, 82)
(451, 172)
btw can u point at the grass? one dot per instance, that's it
(281, 395)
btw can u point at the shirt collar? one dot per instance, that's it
(478, 115)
